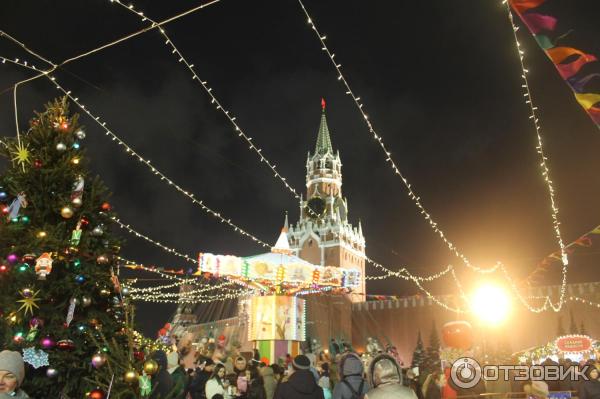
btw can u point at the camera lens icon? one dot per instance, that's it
(465, 372)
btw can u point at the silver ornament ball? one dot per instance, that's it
(97, 231)
(125, 291)
(61, 147)
(51, 372)
(76, 202)
(80, 134)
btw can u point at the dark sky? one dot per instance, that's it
(439, 79)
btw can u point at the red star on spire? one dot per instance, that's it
(323, 103)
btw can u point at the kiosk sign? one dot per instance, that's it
(574, 343)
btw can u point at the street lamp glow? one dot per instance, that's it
(490, 304)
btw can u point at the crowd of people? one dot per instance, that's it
(300, 377)
(305, 377)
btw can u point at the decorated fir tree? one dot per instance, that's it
(573, 325)
(59, 297)
(419, 352)
(432, 354)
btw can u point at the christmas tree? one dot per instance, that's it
(419, 352)
(573, 325)
(432, 355)
(59, 297)
(582, 329)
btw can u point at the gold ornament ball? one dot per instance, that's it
(131, 376)
(86, 301)
(66, 212)
(150, 367)
(104, 292)
(76, 202)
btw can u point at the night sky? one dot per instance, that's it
(440, 81)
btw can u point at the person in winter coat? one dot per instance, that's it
(256, 388)
(269, 381)
(351, 384)
(301, 384)
(12, 374)
(385, 377)
(432, 388)
(162, 383)
(217, 383)
(324, 381)
(203, 373)
(590, 389)
(181, 381)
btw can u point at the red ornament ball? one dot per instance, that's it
(37, 163)
(139, 356)
(96, 394)
(66, 344)
(458, 334)
(84, 221)
(105, 207)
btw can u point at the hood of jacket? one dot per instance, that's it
(161, 359)
(351, 365)
(303, 381)
(384, 370)
(266, 372)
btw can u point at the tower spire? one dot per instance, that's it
(323, 140)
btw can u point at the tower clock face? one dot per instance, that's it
(315, 208)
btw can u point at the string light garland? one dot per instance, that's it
(150, 240)
(218, 105)
(129, 150)
(377, 137)
(356, 99)
(543, 159)
(583, 300)
(232, 119)
(104, 46)
(213, 99)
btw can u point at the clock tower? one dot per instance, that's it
(323, 235)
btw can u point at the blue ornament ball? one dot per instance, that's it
(3, 195)
(79, 279)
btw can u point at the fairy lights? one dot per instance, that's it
(583, 300)
(543, 159)
(156, 243)
(213, 99)
(377, 137)
(130, 151)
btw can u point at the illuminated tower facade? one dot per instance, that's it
(323, 234)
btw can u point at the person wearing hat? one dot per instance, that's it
(301, 383)
(537, 389)
(12, 374)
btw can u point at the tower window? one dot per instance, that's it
(310, 242)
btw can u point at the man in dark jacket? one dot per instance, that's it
(162, 384)
(352, 384)
(301, 384)
(203, 373)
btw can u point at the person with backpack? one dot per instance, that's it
(385, 377)
(352, 384)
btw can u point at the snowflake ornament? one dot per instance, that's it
(36, 358)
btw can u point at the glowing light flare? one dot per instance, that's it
(491, 304)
